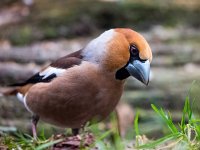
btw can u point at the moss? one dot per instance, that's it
(53, 19)
(22, 36)
(50, 32)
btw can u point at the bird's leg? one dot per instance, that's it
(34, 121)
(75, 131)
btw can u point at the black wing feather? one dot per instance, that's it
(63, 63)
(35, 79)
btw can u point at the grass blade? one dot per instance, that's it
(159, 141)
(166, 118)
(136, 123)
(103, 136)
(46, 145)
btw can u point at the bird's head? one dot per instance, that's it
(122, 51)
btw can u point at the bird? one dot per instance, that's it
(87, 84)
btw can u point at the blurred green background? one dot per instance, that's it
(35, 32)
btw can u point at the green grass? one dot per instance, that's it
(25, 141)
(182, 135)
(187, 133)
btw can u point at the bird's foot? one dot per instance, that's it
(34, 132)
(75, 131)
(34, 121)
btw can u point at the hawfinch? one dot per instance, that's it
(88, 83)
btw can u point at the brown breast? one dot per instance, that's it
(81, 94)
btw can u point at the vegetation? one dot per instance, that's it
(184, 135)
(50, 19)
(174, 66)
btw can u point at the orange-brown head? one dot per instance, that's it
(123, 51)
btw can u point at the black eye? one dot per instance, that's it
(133, 50)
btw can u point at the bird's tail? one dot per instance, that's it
(6, 91)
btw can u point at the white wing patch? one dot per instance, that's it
(51, 70)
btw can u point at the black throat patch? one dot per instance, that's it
(122, 74)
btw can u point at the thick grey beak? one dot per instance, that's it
(139, 69)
